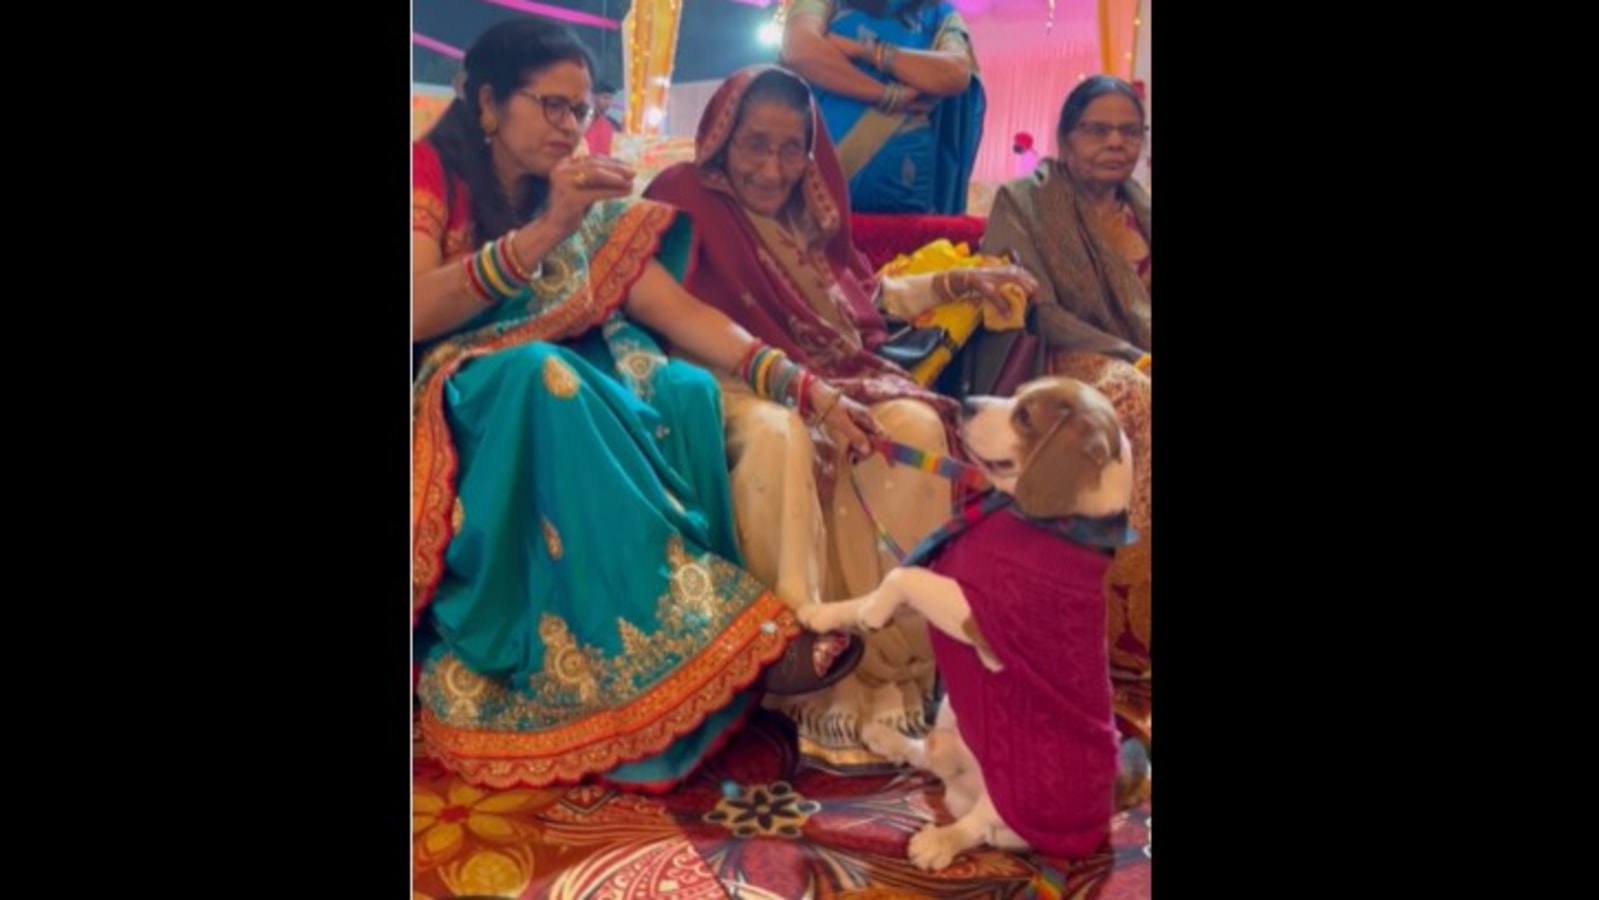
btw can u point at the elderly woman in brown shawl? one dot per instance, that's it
(1081, 224)
(772, 250)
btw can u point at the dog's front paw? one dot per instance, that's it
(885, 742)
(934, 848)
(821, 617)
(875, 612)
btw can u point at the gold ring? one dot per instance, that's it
(582, 177)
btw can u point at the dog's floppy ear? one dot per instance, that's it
(1068, 462)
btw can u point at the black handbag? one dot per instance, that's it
(910, 346)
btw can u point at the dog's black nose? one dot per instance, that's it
(969, 407)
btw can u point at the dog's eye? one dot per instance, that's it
(1022, 416)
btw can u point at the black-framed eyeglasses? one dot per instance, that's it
(789, 156)
(1131, 132)
(556, 108)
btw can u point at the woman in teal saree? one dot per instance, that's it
(579, 608)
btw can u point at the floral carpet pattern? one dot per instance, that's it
(750, 825)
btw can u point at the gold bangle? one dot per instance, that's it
(517, 269)
(823, 412)
(955, 293)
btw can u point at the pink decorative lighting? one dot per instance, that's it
(422, 40)
(556, 12)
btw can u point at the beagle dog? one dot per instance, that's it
(1025, 739)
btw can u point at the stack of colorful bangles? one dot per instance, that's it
(494, 273)
(773, 376)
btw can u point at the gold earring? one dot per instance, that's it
(491, 125)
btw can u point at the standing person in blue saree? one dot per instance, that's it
(579, 605)
(898, 88)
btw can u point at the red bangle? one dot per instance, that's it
(476, 285)
(508, 254)
(806, 379)
(742, 370)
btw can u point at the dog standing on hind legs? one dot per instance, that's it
(1017, 617)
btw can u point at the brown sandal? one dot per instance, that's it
(813, 661)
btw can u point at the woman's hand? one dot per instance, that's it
(852, 49)
(912, 101)
(915, 102)
(1005, 289)
(576, 183)
(846, 419)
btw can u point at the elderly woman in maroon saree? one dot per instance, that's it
(773, 252)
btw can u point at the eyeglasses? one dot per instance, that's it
(556, 108)
(1132, 133)
(789, 156)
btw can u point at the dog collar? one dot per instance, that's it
(974, 510)
(1108, 532)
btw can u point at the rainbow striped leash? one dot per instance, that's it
(963, 474)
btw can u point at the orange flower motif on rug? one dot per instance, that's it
(440, 824)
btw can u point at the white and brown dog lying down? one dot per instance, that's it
(1025, 740)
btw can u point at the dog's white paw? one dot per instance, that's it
(875, 612)
(885, 741)
(821, 617)
(935, 847)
